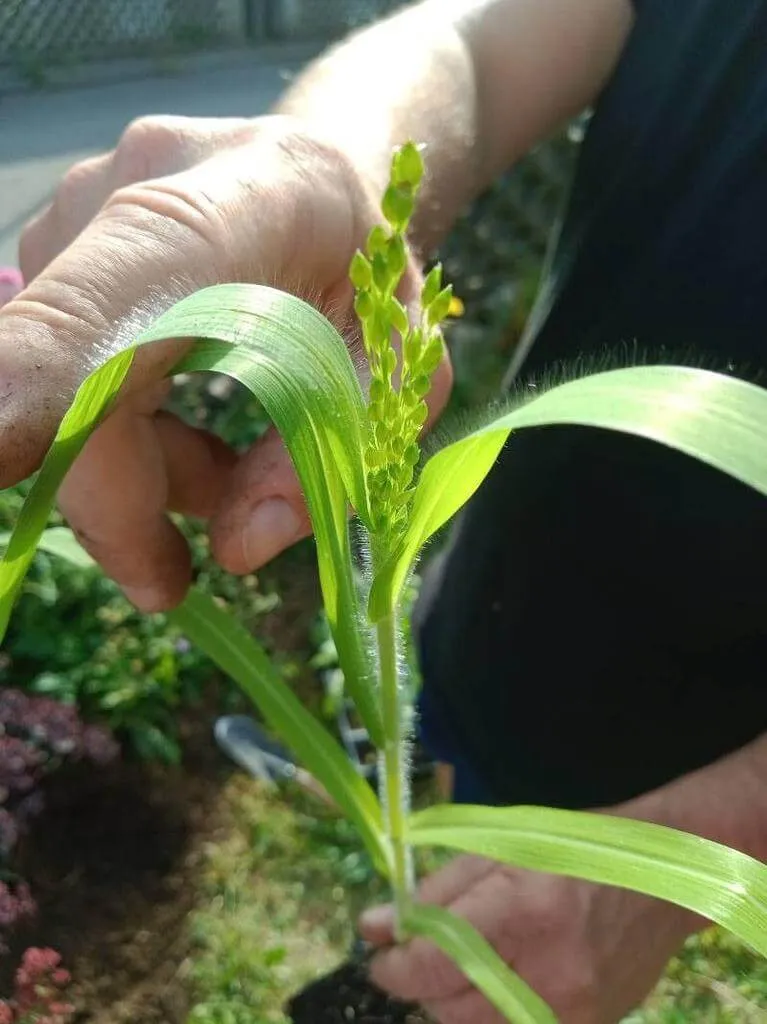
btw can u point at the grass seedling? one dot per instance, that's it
(360, 449)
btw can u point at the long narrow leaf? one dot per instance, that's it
(91, 402)
(721, 884)
(297, 365)
(480, 963)
(61, 542)
(718, 419)
(227, 643)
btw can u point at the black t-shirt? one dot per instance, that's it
(599, 622)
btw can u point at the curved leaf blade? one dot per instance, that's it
(61, 542)
(91, 402)
(228, 644)
(718, 419)
(721, 884)
(298, 366)
(480, 963)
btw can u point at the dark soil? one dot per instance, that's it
(347, 996)
(113, 865)
(115, 860)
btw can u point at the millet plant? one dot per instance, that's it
(356, 446)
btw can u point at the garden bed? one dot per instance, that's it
(115, 860)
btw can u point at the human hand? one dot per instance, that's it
(180, 204)
(10, 284)
(591, 952)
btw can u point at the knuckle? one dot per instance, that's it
(155, 208)
(576, 990)
(432, 975)
(72, 184)
(32, 247)
(146, 144)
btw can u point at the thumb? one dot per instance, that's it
(376, 925)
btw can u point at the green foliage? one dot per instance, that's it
(293, 360)
(481, 964)
(75, 638)
(723, 885)
(280, 895)
(227, 644)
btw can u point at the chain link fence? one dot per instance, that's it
(72, 30)
(319, 19)
(493, 254)
(36, 31)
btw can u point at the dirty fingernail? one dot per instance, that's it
(272, 527)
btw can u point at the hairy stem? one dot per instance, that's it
(396, 779)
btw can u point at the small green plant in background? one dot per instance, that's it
(359, 448)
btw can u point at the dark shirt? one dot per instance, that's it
(598, 625)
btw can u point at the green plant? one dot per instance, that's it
(92, 649)
(361, 450)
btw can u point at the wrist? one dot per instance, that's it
(725, 801)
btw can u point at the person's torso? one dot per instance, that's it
(594, 570)
(664, 248)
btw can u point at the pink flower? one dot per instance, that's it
(11, 283)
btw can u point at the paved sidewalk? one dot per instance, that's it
(44, 133)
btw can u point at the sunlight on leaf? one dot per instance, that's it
(92, 400)
(61, 542)
(717, 419)
(480, 963)
(721, 884)
(228, 644)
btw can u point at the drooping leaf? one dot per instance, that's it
(92, 400)
(298, 367)
(480, 963)
(61, 542)
(228, 644)
(721, 884)
(712, 417)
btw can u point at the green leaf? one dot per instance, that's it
(92, 400)
(61, 542)
(480, 963)
(721, 884)
(298, 367)
(228, 644)
(718, 419)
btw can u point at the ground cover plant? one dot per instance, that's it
(357, 445)
(38, 736)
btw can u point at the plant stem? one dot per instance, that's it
(396, 786)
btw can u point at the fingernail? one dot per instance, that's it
(272, 527)
(146, 599)
(377, 920)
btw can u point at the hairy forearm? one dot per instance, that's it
(726, 801)
(410, 77)
(478, 82)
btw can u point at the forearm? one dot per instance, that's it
(478, 82)
(410, 77)
(726, 801)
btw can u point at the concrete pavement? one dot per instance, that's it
(44, 133)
